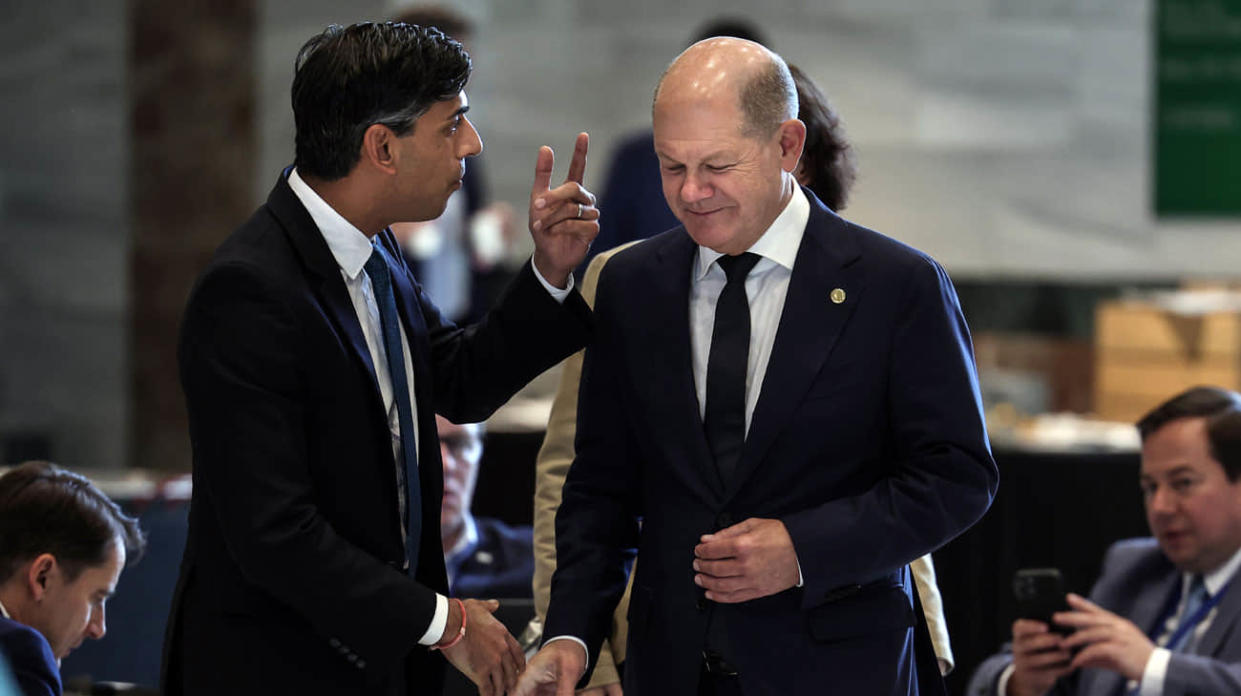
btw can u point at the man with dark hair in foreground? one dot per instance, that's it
(313, 366)
(1163, 618)
(62, 546)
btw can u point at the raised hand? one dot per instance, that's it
(488, 655)
(563, 220)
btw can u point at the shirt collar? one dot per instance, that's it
(1216, 579)
(349, 246)
(779, 243)
(465, 545)
(4, 612)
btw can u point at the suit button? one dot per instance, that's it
(723, 520)
(334, 643)
(361, 664)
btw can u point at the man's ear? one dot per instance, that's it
(377, 148)
(792, 136)
(38, 574)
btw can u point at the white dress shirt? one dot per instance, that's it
(1157, 666)
(4, 612)
(765, 289)
(351, 249)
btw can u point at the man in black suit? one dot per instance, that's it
(62, 546)
(779, 409)
(313, 365)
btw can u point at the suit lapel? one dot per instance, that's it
(1224, 622)
(328, 284)
(810, 324)
(675, 398)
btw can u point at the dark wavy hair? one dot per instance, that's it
(350, 78)
(45, 509)
(1222, 410)
(827, 159)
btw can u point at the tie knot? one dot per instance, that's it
(738, 267)
(375, 266)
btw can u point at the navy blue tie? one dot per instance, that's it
(407, 468)
(727, 364)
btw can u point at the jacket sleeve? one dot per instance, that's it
(552, 467)
(942, 477)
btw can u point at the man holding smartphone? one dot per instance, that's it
(1162, 618)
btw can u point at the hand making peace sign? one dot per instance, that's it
(564, 220)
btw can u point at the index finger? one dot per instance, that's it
(577, 166)
(543, 170)
(715, 549)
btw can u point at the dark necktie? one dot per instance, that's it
(724, 420)
(409, 491)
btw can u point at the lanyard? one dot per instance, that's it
(1189, 624)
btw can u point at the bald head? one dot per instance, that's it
(724, 69)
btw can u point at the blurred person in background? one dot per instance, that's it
(1164, 618)
(460, 256)
(485, 557)
(63, 544)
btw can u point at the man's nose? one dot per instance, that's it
(695, 189)
(97, 626)
(472, 142)
(1162, 501)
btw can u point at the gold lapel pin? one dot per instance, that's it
(838, 296)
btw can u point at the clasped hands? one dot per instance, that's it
(751, 559)
(1102, 640)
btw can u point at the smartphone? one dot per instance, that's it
(1040, 593)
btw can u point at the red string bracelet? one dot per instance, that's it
(461, 633)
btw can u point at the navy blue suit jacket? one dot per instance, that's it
(500, 565)
(291, 581)
(30, 659)
(867, 442)
(1138, 581)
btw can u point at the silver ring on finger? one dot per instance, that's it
(579, 211)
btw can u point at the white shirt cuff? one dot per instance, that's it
(557, 294)
(575, 640)
(801, 580)
(1001, 686)
(1155, 673)
(438, 622)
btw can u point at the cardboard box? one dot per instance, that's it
(1146, 353)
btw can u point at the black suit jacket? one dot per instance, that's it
(867, 442)
(291, 580)
(30, 658)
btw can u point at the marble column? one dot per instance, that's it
(191, 91)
